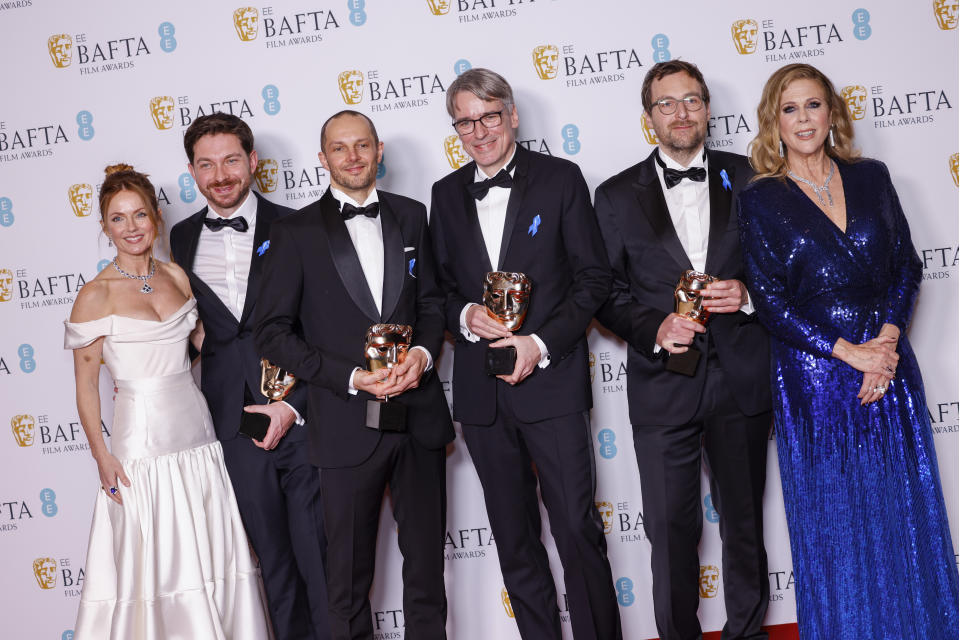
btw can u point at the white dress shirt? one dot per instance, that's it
(367, 236)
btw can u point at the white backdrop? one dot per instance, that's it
(93, 83)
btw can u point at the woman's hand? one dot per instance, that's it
(111, 475)
(873, 356)
(874, 387)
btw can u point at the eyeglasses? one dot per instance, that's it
(489, 120)
(668, 106)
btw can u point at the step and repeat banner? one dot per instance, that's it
(95, 83)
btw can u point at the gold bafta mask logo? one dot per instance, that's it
(23, 426)
(454, 152)
(60, 46)
(745, 36)
(546, 61)
(855, 97)
(81, 199)
(265, 175)
(161, 108)
(606, 511)
(708, 581)
(648, 132)
(45, 571)
(439, 7)
(953, 169)
(6, 285)
(947, 13)
(351, 86)
(246, 21)
(504, 596)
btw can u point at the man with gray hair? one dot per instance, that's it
(515, 210)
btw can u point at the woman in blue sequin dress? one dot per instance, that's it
(833, 275)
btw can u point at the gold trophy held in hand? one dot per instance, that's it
(275, 383)
(506, 297)
(689, 304)
(386, 347)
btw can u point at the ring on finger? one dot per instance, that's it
(879, 389)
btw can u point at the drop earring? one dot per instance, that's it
(782, 150)
(832, 136)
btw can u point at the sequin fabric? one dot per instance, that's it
(871, 549)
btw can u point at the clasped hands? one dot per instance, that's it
(394, 380)
(876, 358)
(527, 351)
(676, 332)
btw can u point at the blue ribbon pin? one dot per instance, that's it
(533, 228)
(263, 247)
(727, 185)
(412, 264)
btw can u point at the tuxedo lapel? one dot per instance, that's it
(265, 214)
(471, 221)
(720, 199)
(652, 202)
(394, 271)
(516, 195)
(344, 256)
(201, 288)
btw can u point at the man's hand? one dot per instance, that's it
(370, 381)
(527, 357)
(405, 375)
(725, 296)
(479, 322)
(676, 333)
(281, 419)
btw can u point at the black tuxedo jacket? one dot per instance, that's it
(552, 236)
(647, 260)
(229, 358)
(313, 282)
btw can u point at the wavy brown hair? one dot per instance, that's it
(764, 149)
(123, 177)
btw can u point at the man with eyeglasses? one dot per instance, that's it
(673, 212)
(515, 210)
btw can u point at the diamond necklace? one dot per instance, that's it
(816, 188)
(146, 288)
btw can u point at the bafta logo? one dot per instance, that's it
(504, 596)
(454, 152)
(606, 511)
(745, 36)
(708, 581)
(265, 175)
(953, 169)
(648, 132)
(351, 86)
(246, 21)
(45, 571)
(947, 13)
(6, 285)
(546, 61)
(23, 426)
(855, 97)
(161, 108)
(439, 7)
(60, 47)
(81, 199)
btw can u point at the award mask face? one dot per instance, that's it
(275, 382)
(689, 298)
(387, 345)
(506, 296)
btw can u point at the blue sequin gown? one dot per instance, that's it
(872, 553)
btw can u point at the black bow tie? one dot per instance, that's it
(215, 224)
(479, 189)
(351, 211)
(672, 177)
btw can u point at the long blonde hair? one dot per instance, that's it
(764, 149)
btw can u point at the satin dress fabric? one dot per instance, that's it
(171, 562)
(871, 548)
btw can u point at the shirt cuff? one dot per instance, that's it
(429, 358)
(656, 348)
(353, 390)
(748, 308)
(469, 335)
(543, 351)
(299, 419)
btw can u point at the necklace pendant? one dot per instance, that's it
(146, 288)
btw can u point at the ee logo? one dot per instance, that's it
(357, 15)
(607, 443)
(571, 143)
(6, 212)
(860, 22)
(167, 41)
(187, 190)
(85, 125)
(624, 592)
(27, 363)
(48, 500)
(661, 48)
(270, 103)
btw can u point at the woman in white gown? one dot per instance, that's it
(168, 557)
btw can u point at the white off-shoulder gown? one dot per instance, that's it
(171, 562)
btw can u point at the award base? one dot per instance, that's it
(386, 415)
(254, 425)
(684, 363)
(500, 361)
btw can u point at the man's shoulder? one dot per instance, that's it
(400, 203)
(188, 221)
(728, 159)
(455, 178)
(624, 178)
(544, 162)
(278, 209)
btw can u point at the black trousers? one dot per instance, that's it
(561, 450)
(416, 477)
(670, 459)
(278, 494)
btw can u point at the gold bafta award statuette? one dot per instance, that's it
(275, 384)
(506, 296)
(689, 304)
(386, 347)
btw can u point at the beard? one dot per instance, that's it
(689, 140)
(358, 182)
(232, 200)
